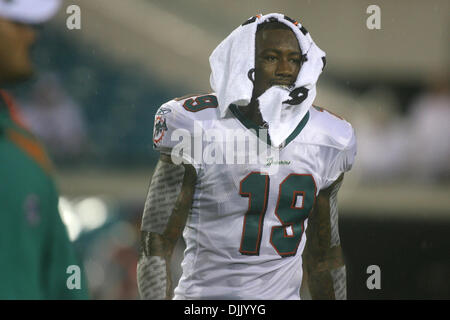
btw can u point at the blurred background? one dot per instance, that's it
(98, 89)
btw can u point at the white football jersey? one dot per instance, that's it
(246, 230)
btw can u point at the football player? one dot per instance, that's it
(250, 233)
(35, 251)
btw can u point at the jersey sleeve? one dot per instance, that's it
(175, 132)
(343, 160)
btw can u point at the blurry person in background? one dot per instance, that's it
(35, 251)
(383, 129)
(55, 118)
(429, 129)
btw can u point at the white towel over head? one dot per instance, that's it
(232, 65)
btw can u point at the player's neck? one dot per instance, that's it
(251, 112)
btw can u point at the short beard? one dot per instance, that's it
(12, 79)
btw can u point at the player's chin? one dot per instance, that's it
(284, 86)
(22, 73)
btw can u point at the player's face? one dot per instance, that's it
(15, 43)
(277, 60)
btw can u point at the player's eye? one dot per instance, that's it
(270, 58)
(295, 60)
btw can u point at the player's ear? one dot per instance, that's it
(251, 75)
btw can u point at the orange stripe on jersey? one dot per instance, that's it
(320, 109)
(12, 108)
(31, 147)
(189, 96)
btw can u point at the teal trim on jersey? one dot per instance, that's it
(298, 129)
(245, 121)
(251, 125)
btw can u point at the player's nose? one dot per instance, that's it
(284, 69)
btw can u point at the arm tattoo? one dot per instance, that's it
(323, 254)
(339, 283)
(335, 241)
(152, 277)
(163, 220)
(161, 197)
(338, 275)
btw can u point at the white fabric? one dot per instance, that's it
(29, 11)
(234, 57)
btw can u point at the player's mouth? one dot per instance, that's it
(283, 83)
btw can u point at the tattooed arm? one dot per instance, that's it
(167, 206)
(323, 265)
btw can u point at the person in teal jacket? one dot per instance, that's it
(37, 259)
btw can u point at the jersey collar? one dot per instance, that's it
(249, 124)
